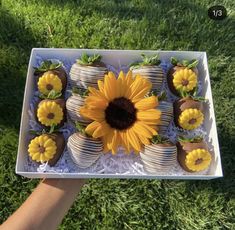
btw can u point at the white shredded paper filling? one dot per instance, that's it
(120, 163)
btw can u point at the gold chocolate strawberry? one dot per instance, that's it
(51, 112)
(47, 148)
(188, 113)
(51, 77)
(193, 154)
(183, 76)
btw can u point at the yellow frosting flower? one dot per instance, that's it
(49, 113)
(42, 148)
(185, 80)
(191, 119)
(48, 82)
(198, 160)
(121, 114)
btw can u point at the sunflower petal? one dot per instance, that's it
(133, 139)
(129, 78)
(125, 142)
(102, 130)
(100, 85)
(144, 140)
(149, 115)
(97, 93)
(146, 103)
(110, 84)
(139, 88)
(115, 142)
(141, 128)
(121, 84)
(93, 114)
(90, 129)
(105, 147)
(95, 102)
(109, 139)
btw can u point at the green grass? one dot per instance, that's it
(168, 25)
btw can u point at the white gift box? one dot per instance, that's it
(118, 58)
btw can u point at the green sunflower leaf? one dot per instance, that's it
(52, 129)
(85, 59)
(153, 93)
(81, 128)
(185, 63)
(34, 132)
(193, 64)
(153, 60)
(174, 61)
(157, 139)
(162, 96)
(199, 98)
(82, 92)
(47, 65)
(134, 65)
(190, 140)
(183, 93)
(51, 95)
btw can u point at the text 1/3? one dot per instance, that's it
(217, 12)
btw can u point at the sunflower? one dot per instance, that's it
(198, 160)
(42, 148)
(48, 82)
(49, 113)
(122, 114)
(191, 119)
(185, 80)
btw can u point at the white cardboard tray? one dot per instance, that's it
(117, 58)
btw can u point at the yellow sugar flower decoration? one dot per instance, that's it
(49, 81)
(198, 160)
(49, 113)
(122, 114)
(42, 148)
(191, 119)
(185, 80)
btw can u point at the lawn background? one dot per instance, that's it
(167, 25)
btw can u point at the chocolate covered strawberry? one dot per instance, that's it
(83, 149)
(183, 76)
(188, 113)
(87, 71)
(51, 112)
(193, 154)
(149, 68)
(160, 155)
(51, 77)
(73, 105)
(47, 148)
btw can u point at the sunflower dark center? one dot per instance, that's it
(185, 82)
(41, 149)
(49, 87)
(192, 121)
(198, 161)
(120, 113)
(50, 115)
